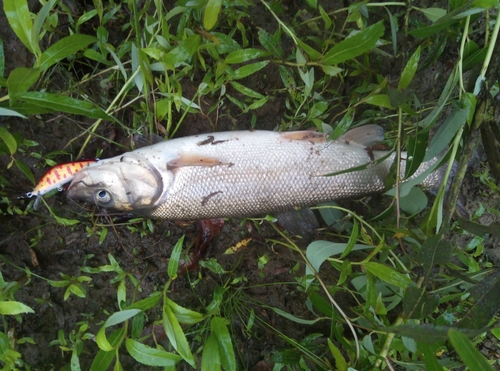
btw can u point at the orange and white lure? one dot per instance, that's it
(57, 176)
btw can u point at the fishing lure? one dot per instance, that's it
(56, 177)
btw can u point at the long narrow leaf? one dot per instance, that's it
(18, 15)
(355, 45)
(63, 48)
(37, 25)
(226, 351)
(176, 335)
(151, 356)
(468, 352)
(61, 103)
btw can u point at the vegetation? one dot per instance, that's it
(416, 298)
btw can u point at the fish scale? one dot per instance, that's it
(239, 174)
(269, 181)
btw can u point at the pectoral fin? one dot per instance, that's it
(195, 160)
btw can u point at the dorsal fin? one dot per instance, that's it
(367, 135)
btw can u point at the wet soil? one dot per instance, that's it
(36, 242)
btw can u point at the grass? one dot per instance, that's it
(417, 299)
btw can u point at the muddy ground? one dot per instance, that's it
(59, 249)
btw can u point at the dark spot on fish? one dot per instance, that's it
(121, 158)
(375, 147)
(209, 140)
(206, 198)
(370, 153)
(346, 142)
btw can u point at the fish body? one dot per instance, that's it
(57, 176)
(238, 174)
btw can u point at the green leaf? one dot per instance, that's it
(379, 100)
(20, 80)
(38, 24)
(326, 18)
(318, 251)
(61, 103)
(226, 352)
(146, 303)
(247, 91)
(355, 45)
(183, 51)
(426, 333)
(102, 341)
(210, 360)
(14, 307)
(472, 357)
(417, 303)
(435, 250)
(486, 295)
(442, 23)
(121, 316)
(212, 11)
(414, 202)
(63, 48)
(249, 69)
(173, 264)
(417, 146)
(331, 70)
(388, 274)
(114, 319)
(320, 303)
(175, 334)
(340, 363)
(25, 169)
(75, 361)
(352, 240)
(433, 13)
(431, 362)
(271, 43)
(446, 133)
(409, 70)
(184, 315)
(151, 356)
(295, 319)
(103, 359)
(9, 112)
(9, 140)
(245, 55)
(18, 15)
(96, 56)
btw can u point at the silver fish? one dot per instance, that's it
(239, 174)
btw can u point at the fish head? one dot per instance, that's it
(124, 183)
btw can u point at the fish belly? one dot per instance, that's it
(266, 174)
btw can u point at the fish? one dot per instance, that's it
(56, 177)
(241, 174)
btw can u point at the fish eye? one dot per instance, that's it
(102, 196)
